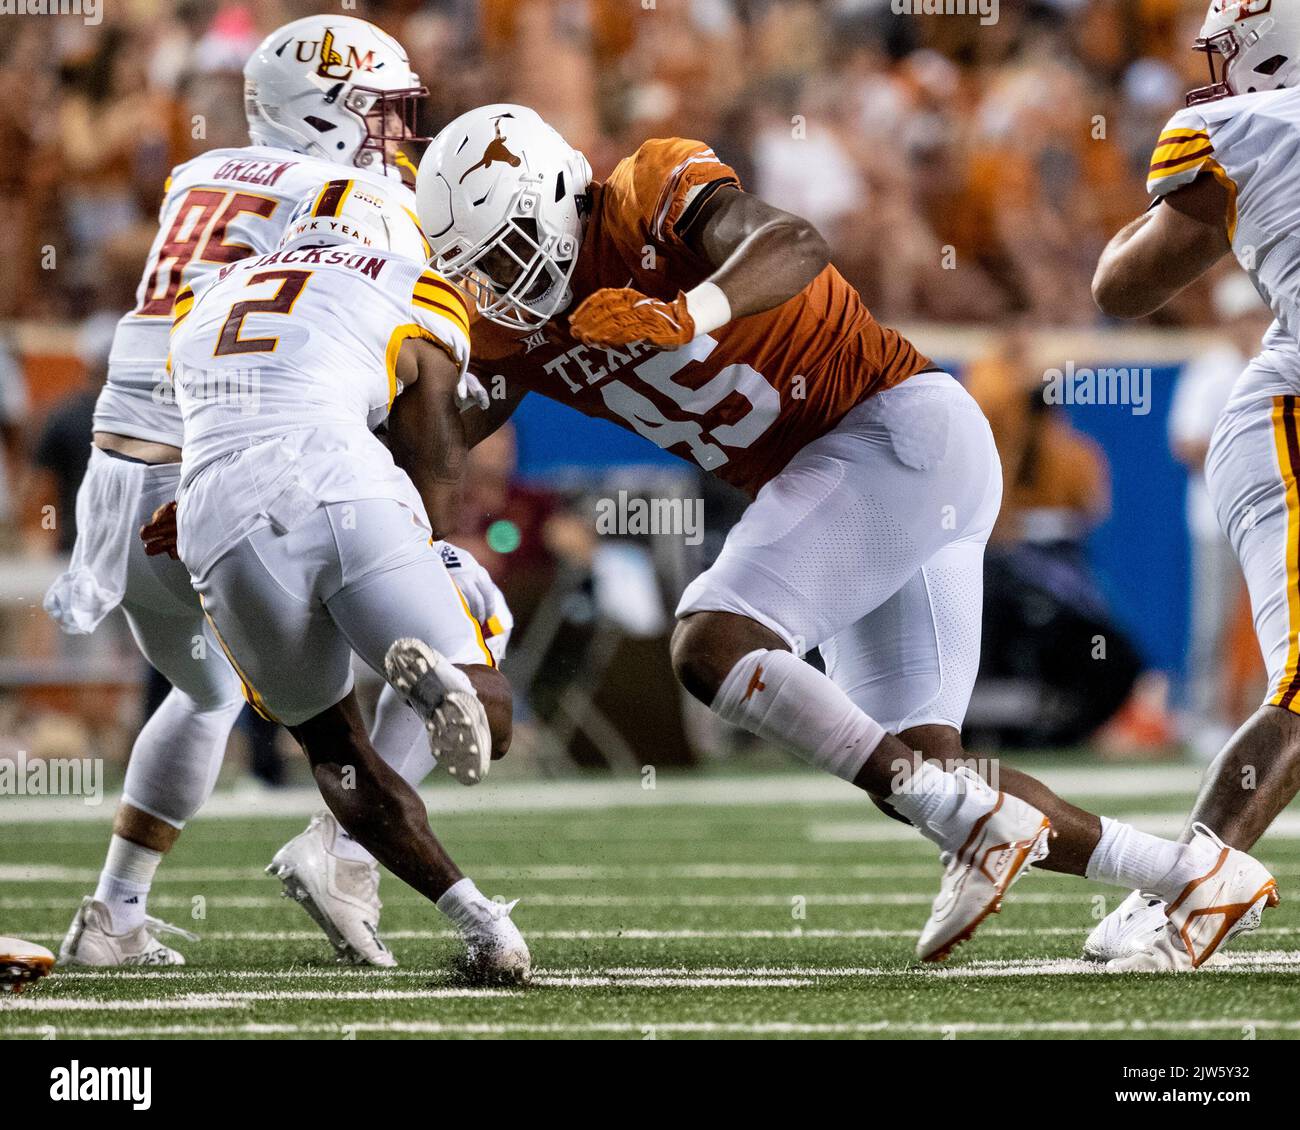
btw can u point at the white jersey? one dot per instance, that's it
(1250, 144)
(281, 366)
(219, 207)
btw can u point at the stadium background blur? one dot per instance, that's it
(966, 177)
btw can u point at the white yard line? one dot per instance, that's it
(511, 796)
(636, 976)
(238, 999)
(61, 1004)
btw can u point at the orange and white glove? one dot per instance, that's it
(621, 316)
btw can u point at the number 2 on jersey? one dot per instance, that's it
(281, 302)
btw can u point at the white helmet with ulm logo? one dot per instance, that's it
(1257, 45)
(503, 200)
(333, 87)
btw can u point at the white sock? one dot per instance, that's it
(943, 806)
(1130, 858)
(778, 696)
(125, 881)
(463, 902)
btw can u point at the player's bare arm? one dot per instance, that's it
(761, 255)
(427, 438)
(425, 432)
(479, 423)
(1165, 249)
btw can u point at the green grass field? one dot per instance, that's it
(776, 905)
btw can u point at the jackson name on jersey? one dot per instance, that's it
(218, 208)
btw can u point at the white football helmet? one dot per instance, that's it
(333, 87)
(1257, 42)
(350, 211)
(503, 199)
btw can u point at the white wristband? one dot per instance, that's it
(708, 307)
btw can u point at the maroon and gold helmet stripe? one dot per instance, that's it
(329, 201)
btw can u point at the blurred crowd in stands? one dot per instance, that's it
(960, 170)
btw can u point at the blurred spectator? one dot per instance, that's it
(1055, 480)
(1055, 667)
(504, 524)
(63, 447)
(13, 443)
(1200, 395)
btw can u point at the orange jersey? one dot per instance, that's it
(741, 400)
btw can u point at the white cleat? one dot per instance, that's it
(457, 723)
(340, 895)
(999, 849)
(1227, 898)
(1129, 929)
(1163, 953)
(89, 940)
(495, 950)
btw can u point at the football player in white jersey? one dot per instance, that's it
(307, 538)
(1223, 175)
(325, 97)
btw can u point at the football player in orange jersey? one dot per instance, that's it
(672, 302)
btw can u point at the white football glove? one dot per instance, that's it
(470, 390)
(486, 603)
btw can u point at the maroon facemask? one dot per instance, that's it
(1223, 47)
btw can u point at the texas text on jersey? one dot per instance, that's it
(739, 401)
